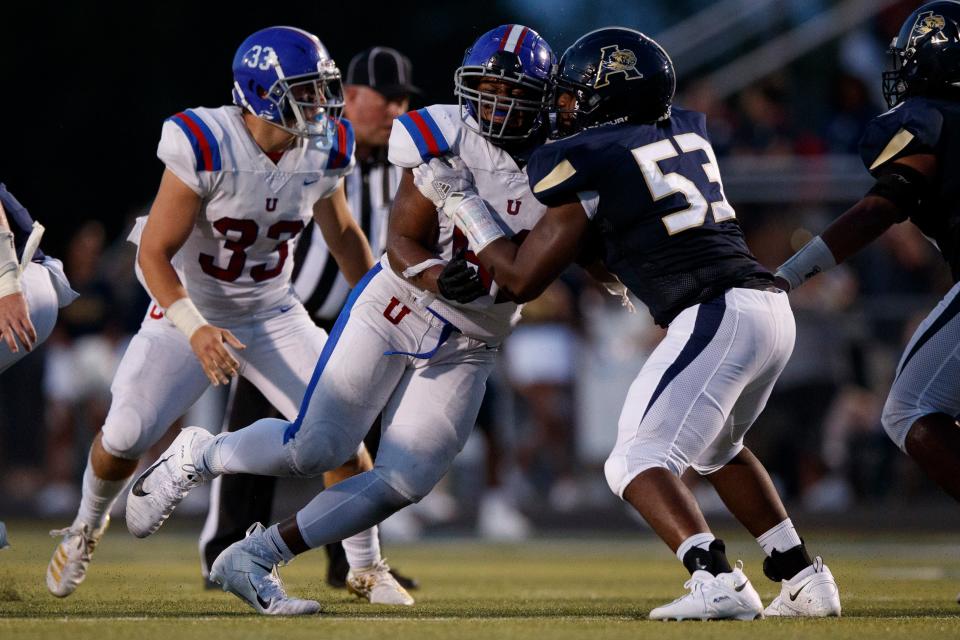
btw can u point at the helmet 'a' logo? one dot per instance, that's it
(614, 60)
(927, 22)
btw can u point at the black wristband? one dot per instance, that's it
(902, 185)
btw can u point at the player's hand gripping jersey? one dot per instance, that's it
(654, 195)
(923, 126)
(439, 131)
(237, 261)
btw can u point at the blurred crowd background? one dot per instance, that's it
(787, 86)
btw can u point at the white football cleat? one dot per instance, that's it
(68, 566)
(811, 593)
(244, 569)
(158, 490)
(722, 597)
(498, 519)
(377, 584)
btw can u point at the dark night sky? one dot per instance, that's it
(86, 89)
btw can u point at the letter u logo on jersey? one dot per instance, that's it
(513, 207)
(272, 204)
(394, 316)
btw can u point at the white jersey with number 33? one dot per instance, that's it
(237, 260)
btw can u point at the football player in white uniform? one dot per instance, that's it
(417, 338)
(240, 183)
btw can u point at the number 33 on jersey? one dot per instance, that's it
(236, 260)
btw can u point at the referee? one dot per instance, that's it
(377, 90)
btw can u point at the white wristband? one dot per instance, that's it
(9, 267)
(814, 257)
(473, 217)
(417, 269)
(185, 316)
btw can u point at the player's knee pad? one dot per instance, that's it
(620, 469)
(130, 429)
(897, 419)
(319, 449)
(415, 470)
(392, 498)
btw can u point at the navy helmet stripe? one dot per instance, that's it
(709, 316)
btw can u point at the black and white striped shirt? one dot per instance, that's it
(370, 189)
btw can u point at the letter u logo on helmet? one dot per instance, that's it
(503, 85)
(285, 76)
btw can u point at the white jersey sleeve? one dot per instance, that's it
(426, 133)
(191, 150)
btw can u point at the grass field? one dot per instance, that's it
(899, 587)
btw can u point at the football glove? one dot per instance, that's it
(442, 176)
(459, 281)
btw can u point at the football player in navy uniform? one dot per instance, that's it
(644, 179)
(912, 151)
(33, 286)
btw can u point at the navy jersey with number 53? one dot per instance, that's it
(654, 195)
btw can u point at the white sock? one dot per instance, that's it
(363, 549)
(97, 497)
(257, 449)
(779, 538)
(701, 540)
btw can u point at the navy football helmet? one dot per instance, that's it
(614, 74)
(285, 76)
(518, 56)
(926, 54)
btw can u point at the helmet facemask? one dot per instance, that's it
(577, 115)
(308, 105)
(894, 84)
(501, 117)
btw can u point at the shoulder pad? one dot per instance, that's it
(341, 153)
(909, 128)
(206, 148)
(420, 135)
(694, 120)
(555, 173)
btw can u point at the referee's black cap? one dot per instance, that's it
(384, 69)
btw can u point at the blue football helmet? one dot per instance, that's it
(285, 76)
(514, 54)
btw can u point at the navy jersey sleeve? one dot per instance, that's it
(559, 173)
(20, 220)
(911, 128)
